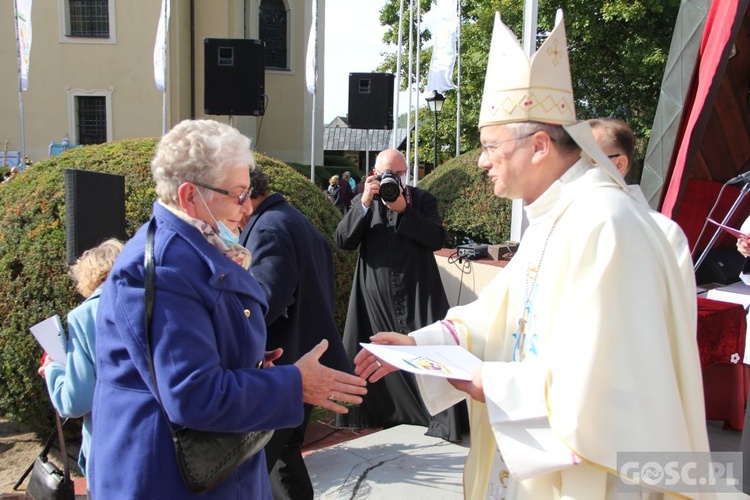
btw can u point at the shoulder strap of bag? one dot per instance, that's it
(63, 451)
(42, 455)
(149, 279)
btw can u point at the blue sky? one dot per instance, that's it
(353, 44)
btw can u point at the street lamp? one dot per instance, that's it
(435, 101)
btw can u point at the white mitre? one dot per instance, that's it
(517, 89)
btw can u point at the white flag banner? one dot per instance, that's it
(311, 65)
(160, 47)
(440, 76)
(23, 21)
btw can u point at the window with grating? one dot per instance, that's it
(89, 18)
(91, 115)
(273, 31)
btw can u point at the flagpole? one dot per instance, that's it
(410, 88)
(416, 79)
(22, 159)
(164, 92)
(458, 82)
(518, 222)
(313, 27)
(398, 74)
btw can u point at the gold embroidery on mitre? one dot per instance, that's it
(517, 88)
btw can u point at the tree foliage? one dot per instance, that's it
(618, 50)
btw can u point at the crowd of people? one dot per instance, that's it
(242, 335)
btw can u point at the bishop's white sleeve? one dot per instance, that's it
(514, 394)
(437, 393)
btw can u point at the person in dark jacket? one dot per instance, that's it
(293, 263)
(397, 287)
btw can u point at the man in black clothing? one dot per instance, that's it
(397, 287)
(293, 263)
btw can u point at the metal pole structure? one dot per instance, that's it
(416, 82)
(394, 136)
(434, 145)
(518, 222)
(22, 159)
(458, 82)
(410, 89)
(314, 94)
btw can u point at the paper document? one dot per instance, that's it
(50, 335)
(734, 232)
(448, 361)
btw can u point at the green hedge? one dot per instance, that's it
(338, 161)
(466, 203)
(33, 273)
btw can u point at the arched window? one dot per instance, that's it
(273, 31)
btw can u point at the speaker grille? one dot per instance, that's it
(94, 210)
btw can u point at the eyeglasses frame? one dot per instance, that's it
(240, 197)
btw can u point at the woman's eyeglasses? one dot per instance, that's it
(240, 197)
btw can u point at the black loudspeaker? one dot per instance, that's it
(235, 75)
(94, 210)
(371, 100)
(721, 265)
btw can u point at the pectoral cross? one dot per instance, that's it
(521, 335)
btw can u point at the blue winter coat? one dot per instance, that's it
(207, 338)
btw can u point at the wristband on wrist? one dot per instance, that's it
(448, 325)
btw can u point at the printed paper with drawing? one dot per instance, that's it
(50, 335)
(448, 361)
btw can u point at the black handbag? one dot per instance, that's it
(204, 458)
(47, 482)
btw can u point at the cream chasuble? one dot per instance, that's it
(588, 338)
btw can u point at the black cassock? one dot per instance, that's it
(397, 288)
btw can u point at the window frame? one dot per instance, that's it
(73, 115)
(290, 40)
(64, 18)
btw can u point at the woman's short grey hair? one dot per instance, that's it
(198, 150)
(557, 133)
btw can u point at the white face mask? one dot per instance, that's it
(226, 234)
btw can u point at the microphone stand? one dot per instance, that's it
(743, 192)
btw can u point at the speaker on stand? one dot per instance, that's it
(371, 101)
(235, 72)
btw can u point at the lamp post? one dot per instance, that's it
(435, 101)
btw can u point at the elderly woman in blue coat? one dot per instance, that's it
(207, 333)
(71, 384)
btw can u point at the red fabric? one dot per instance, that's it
(700, 196)
(716, 34)
(721, 331)
(721, 334)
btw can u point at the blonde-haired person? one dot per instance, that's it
(71, 385)
(334, 193)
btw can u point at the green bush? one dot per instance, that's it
(338, 161)
(466, 203)
(33, 273)
(321, 173)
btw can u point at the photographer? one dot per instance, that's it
(396, 287)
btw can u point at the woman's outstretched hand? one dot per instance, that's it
(326, 387)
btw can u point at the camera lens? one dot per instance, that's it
(390, 189)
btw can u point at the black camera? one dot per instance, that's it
(390, 186)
